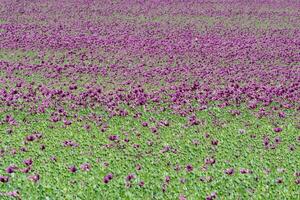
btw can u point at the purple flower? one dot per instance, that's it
(245, 171)
(72, 169)
(11, 169)
(153, 129)
(30, 138)
(189, 168)
(130, 177)
(70, 143)
(281, 114)
(4, 179)
(214, 142)
(113, 137)
(144, 124)
(210, 161)
(25, 170)
(67, 122)
(53, 158)
(85, 167)
(107, 178)
(35, 178)
(297, 174)
(277, 139)
(212, 196)
(167, 179)
(141, 183)
(138, 167)
(277, 129)
(13, 193)
(229, 171)
(28, 162)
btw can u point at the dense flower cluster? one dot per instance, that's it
(125, 98)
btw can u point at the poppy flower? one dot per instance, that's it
(72, 169)
(4, 179)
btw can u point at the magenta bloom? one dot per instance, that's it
(138, 167)
(4, 179)
(144, 124)
(130, 177)
(107, 178)
(210, 161)
(212, 196)
(28, 162)
(167, 179)
(141, 184)
(113, 137)
(30, 138)
(214, 142)
(245, 171)
(25, 170)
(35, 178)
(229, 171)
(85, 167)
(72, 169)
(189, 168)
(11, 169)
(277, 129)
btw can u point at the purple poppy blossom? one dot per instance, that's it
(212, 196)
(35, 178)
(277, 129)
(141, 183)
(130, 177)
(14, 193)
(229, 171)
(26, 170)
(245, 171)
(85, 167)
(28, 162)
(210, 161)
(30, 138)
(214, 142)
(72, 169)
(113, 137)
(138, 167)
(189, 168)
(277, 139)
(281, 114)
(107, 178)
(144, 124)
(11, 169)
(70, 143)
(167, 179)
(4, 179)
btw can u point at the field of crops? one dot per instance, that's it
(155, 99)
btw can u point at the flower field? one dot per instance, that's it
(133, 99)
